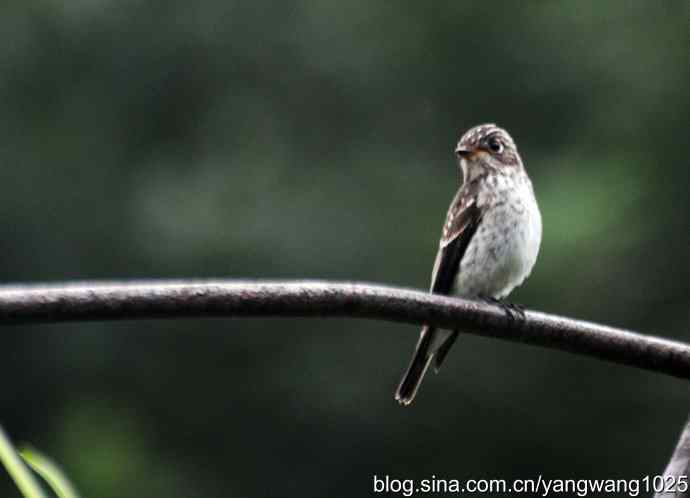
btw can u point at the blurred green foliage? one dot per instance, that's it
(51, 473)
(314, 139)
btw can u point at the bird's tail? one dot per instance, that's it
(418, 366)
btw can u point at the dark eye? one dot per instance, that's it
(495, 145)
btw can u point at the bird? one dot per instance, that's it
(489, 242)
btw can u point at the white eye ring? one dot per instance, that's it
(495, 145)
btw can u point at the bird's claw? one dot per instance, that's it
(513, 311)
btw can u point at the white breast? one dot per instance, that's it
(504, 249)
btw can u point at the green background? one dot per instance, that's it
(314, 139)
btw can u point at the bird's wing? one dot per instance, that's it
(462, 221)
(461, 224)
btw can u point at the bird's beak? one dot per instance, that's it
(463, 152)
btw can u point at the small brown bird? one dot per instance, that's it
(490, 239)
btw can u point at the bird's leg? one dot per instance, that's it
(517, 309)
(513, 311)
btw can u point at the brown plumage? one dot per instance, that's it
(489, 242)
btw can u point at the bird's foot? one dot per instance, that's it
(513, 311)
(516, 311)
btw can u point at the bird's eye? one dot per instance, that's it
(495, 145)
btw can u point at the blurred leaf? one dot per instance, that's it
(50, 472)
(21, 475)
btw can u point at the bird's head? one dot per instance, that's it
(486, 148)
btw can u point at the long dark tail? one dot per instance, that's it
(418, 366)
